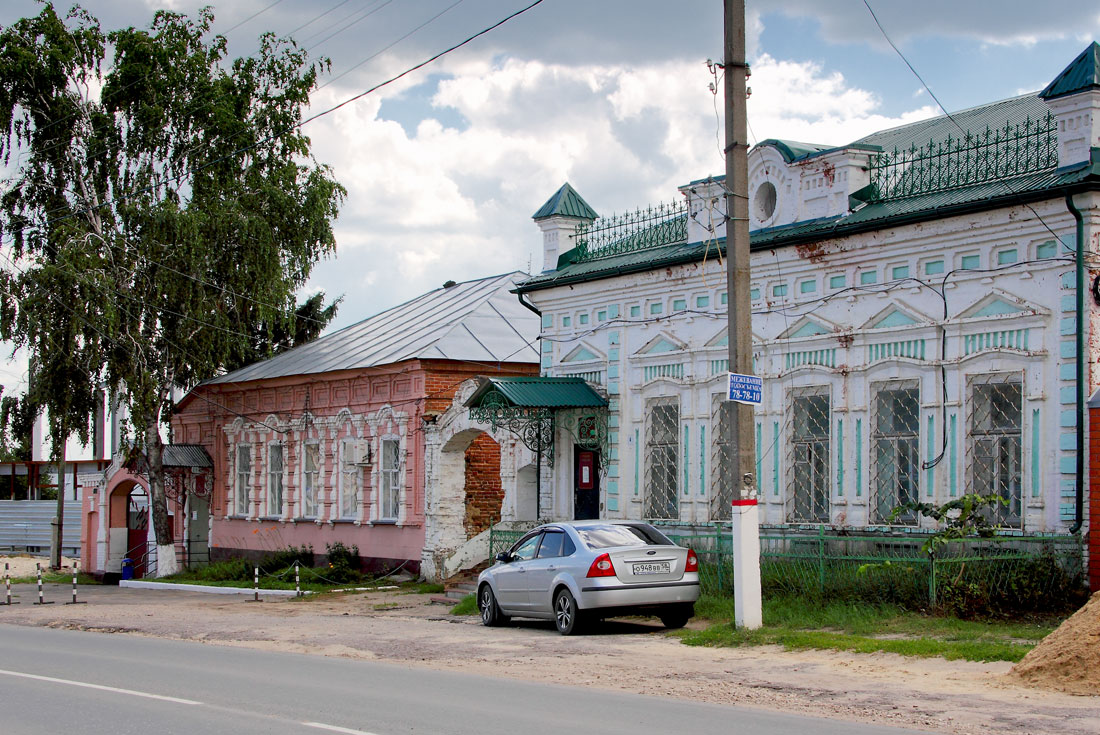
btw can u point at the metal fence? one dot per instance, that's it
(25, 526)
(1004, 573)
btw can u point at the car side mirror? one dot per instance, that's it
(504, 557)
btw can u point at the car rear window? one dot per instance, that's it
(602, 537)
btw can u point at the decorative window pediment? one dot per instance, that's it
(996, 304)
(582, 353)
(895, 317)
(806, 327)
(661, 344)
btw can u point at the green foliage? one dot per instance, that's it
(162, 214)
(230, 570)
(795, 622)
(282, 559)
(343, 563)
(466, 606)
(16, 421)
(960, 518)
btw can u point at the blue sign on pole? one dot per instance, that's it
(745, 388)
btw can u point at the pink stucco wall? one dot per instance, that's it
(364, 406)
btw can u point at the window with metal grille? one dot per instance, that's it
(809, 461)
(662, 448)
(275, 479)
(349, 481)
(721, 481)
(895, 450)
(391, 478)
(244, 471)
(311, 472)
(995, 443)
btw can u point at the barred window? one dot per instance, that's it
(662, 448)
(809, 461)
(349, 481)
(391, 478)
(244, 472)
(995, 443)
(895, 450)
(311, 472)
(721, 481)
(275, 479)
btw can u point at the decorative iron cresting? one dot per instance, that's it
(974, 158)
(587, 427)
(533, 425)
(657, 225)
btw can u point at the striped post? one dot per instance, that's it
(256, 584)
(40, 600)
(76, 569)
(7, 585)
(297, 582)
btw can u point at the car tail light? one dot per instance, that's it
(692, 562)
(601, 567)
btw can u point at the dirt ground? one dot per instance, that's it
(631, 655)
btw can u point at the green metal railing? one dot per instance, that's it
(652, 227)
(974, 158)
(1001, 573)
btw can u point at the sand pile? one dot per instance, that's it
(22, 565)
(1069, 658)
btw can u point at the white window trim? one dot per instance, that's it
(280, 512)
(318, 483)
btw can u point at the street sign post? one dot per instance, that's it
(745, 388)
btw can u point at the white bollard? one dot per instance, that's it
(7, 585)
(297, 583)
(76, 569)
(40, 600)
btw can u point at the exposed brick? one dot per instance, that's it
(484, 493)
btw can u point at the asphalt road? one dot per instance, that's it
(57, 681)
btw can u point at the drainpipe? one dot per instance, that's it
(1079, 263)
(528, 305)
(538, 441)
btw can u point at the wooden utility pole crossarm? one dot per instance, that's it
(746, 518)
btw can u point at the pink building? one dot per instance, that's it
(325, 442)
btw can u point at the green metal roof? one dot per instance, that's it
(792, 150)
(537, 392)
(1083, 73)
(566, 201)
(978, 197)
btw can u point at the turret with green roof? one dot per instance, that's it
(558, 220)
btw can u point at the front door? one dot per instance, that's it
(198, 529)
(586, 484)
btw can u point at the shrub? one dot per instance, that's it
(281, 559)
(343, 563)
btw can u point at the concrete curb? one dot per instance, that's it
(141, 585)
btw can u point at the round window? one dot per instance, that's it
(764, 201)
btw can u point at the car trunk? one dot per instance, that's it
(642, 564)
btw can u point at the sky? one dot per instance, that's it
(445, 167)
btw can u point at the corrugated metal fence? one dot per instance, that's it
(25, 526)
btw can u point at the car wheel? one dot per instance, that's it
(677, 617)
(566, 615)
(491, 615)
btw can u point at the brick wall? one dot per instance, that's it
(1092, 509)
(484, 493)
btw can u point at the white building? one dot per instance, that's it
(914, 301)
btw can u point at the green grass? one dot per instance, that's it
(466, 606)
(799, 623)
(421, 588)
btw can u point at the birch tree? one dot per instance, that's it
(185, 181)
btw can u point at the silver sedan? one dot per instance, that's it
(579, 571)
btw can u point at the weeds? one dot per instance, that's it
(798, 623)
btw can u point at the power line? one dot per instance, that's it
(1003, 182)
(179, 177)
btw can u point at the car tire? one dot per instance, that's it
(677, 617)
(567, 617)
(487, 606)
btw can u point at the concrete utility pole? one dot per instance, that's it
(746, 517)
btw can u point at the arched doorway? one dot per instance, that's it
(127, 526)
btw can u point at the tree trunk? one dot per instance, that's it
(58, 523)
(162, 524)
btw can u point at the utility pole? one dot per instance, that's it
(746, 517)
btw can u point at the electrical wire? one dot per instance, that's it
(179, 178)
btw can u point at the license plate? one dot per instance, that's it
(653, 567)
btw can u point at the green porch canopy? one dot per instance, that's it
(533, 408)
(536, 392)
